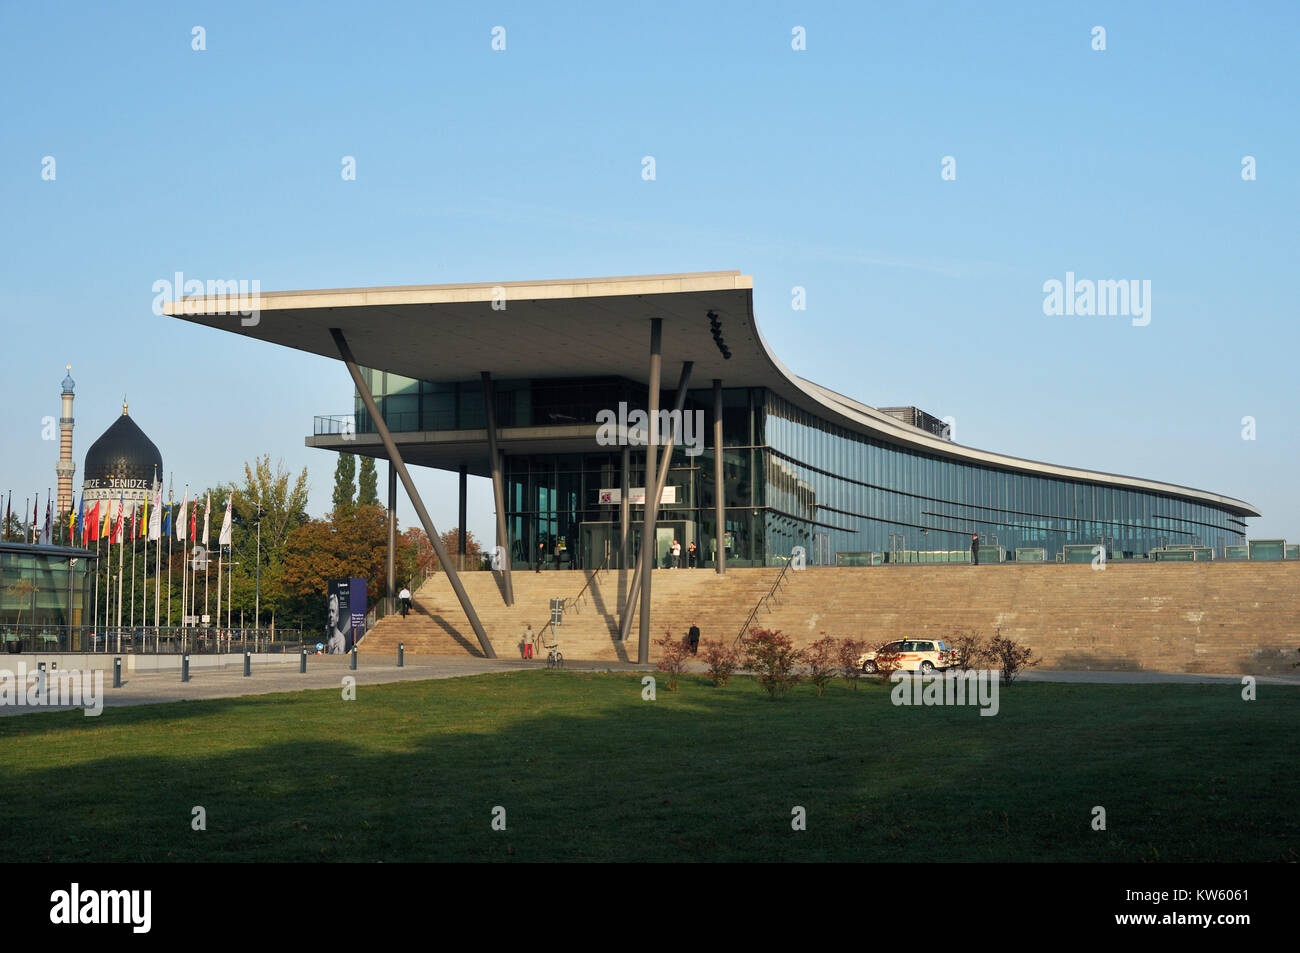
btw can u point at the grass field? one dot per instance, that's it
(587, 770)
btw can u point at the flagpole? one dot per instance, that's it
(121, 553)
(133, 535)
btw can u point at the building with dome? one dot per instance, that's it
(122, 465)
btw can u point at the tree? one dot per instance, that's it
(368, 489)
(345, 472)
(282, 508)
(340, 547)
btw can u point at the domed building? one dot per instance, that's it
(123, 464)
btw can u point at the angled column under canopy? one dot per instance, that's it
(719, 487)
(652, 497)
(389, 592)
(395, 458)
(498, 487)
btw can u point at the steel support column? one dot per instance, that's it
(498, 486)
(719, 486)
(642, 569)
(651, 503)
(460, 545)
(390, 591)
(395, 458)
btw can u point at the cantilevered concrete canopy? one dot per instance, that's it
(579, 328)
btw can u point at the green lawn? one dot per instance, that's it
(587, 770)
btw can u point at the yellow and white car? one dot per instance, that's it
(914, 655)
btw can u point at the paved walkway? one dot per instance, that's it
(325, 671)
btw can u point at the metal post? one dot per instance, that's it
(389, 589)
(624, 531)
(302, 661)
(401, 654)
(719, 486)
(648, 542)
(185, 667)
(460, 540)
(248, 663)
(412, 494)
(117, 672)
(657, 490)
(352, 662)
(498, 487)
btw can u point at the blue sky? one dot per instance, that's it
(817, 168)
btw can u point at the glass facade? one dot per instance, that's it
(44, 586)
(791, 479)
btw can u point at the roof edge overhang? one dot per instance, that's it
(836, 408)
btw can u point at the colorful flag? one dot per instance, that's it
(155, 522)
(45, 533)
(121, 515)
(224, 538)
(207, 508)
(90, 526)
(181, 517)
(193, 516)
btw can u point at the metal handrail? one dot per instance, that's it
(760, 603)
(576, 599)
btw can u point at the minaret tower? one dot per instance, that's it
(65, 468)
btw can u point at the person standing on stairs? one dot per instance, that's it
(690, 555)
(405, 597)
(693, 636)
(975, 549)
(677, 554)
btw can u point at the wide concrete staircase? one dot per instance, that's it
(1187, 617)
(717, 604)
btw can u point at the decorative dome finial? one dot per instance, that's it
(68, 383)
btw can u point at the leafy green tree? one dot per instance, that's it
(368, 491)
(345, 473)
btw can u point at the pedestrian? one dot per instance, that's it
(690, 554)
(693, 636)
(405, 596)
(541, 554)
(526, 645)
(677, 554)
(975, 549)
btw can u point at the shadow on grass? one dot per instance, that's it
(587, 770)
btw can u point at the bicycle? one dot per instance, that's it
(554, 657)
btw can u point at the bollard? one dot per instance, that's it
(401, 654)
(353, 663)
(117, 672)
(248, 664)
(302, 663)
(185, 667)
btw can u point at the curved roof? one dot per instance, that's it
(587, 327)
(123, 452)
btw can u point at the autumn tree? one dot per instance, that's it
(368, 483)
(345, 472)
(340, 547)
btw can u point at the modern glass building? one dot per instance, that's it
(800, 465)
(43, 589)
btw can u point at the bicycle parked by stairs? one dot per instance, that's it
(554, 657)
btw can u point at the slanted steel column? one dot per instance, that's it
(498, 485)
(642, 568)
(719, 487)
(624, 507)
(460, 548)
(390, 592)
(652, 442)
(395, 458)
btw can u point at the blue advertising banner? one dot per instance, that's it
(346, 614)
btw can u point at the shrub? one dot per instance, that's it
(970, 649)
(722, 659)
(886, 660)
(822, 659)
(672, 660)
(1010, 657)
(772, 658)
(848, 653)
